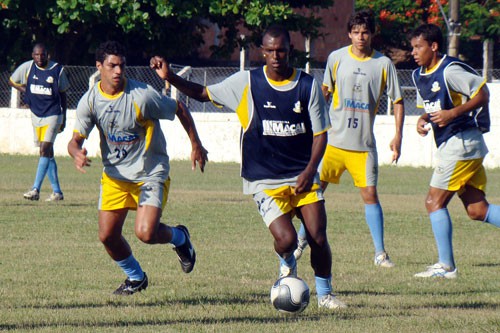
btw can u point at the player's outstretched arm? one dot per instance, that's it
(191, 89)
(198, 153)
(78, 153)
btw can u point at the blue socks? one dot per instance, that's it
(289, 262)
(302, 232)
(52, 174)
(41, 171)
(443, 231)
(323, 286)
(493, 215)
(375, 220)
(178, 237)
(131, 267)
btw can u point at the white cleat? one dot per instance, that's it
(383, 260)
(438, 270)
(330, 302)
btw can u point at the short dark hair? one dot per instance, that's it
(277, 30)
(430, 33)
(109, 48)
(363, 17)
(39, 45)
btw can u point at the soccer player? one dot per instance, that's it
(136, 165)
(355, 77)
(44, 84)
(284, 123)
(455, 100)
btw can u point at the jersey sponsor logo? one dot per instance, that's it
(282, 128)
(356, 106)
(37, 89)
(430, 106)
(122, 138)
(297, 108)
(269, 105)
(435, 86)
(359, 72)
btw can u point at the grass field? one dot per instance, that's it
(56, 277)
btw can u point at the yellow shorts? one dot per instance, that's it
(454, 175)
(118, 194)
(362, 165)
(273, 203)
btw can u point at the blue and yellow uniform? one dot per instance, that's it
(461, 146)
(278, 120)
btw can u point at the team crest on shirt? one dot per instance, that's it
(435, 86)
(297, 108)
(50, 79)
(356, 88)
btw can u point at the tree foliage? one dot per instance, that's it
(73, 28)
(479, 20)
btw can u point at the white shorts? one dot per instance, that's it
(45, 129)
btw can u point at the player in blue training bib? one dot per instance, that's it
(455, 100)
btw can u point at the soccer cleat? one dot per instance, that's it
(185, 252)
(32, 194)
(55, 197)
(330, 302)
(287, 271)
(131, 287)
(440, 271)
(301, 247)
(383, 260)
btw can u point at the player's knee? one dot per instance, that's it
(286, 242)
(318, 240)
(145, 235)
(108, 239)
(476, 214)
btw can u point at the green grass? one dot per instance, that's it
(56, 277)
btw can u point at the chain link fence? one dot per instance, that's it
(79, 79)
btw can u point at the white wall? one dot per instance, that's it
(220, 132)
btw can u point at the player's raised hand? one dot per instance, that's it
(160, 65)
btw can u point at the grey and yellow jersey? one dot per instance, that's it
(356, 86)
(133, 146)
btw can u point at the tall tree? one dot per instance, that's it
(480, 20)
(73, 28)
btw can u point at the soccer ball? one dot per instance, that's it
(290, 294)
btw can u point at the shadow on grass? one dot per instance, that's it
(311, 314)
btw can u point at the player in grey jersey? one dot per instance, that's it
(355, 78)
(136, 165)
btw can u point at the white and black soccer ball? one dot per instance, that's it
(290, 294)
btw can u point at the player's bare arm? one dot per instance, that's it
(306, 177)
(191, 89)
(326, 93)
(395, 145)
(198, 154)
(444, 117)
(78, 153)
(20, 87)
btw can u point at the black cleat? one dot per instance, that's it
(185, 252)
(131, 287)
